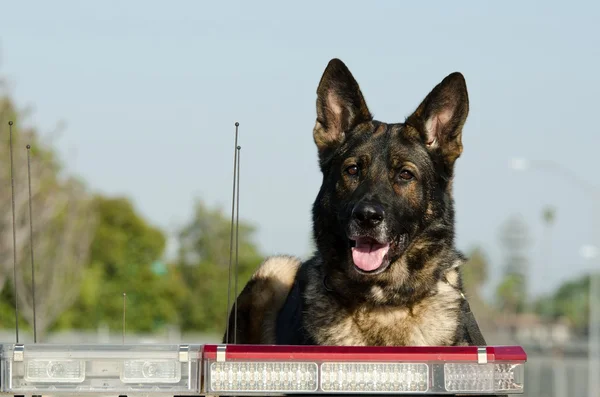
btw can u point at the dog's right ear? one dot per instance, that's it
(340, 106)
(441, 116)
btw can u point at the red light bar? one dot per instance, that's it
(276, 369)
(366, 353)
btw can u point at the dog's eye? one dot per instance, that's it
(406, 175)
(352, 170)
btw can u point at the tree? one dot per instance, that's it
(475, 275)
(569, 301)
(61, 225)
(548, 220)
(572, 302)
(475, 271)
(204, 263)
(511, 292)
(62, 251)
(125, 257)
(207, 238)
(45, 169)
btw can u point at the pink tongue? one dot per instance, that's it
(368, 256)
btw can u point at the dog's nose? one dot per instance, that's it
(368, 214)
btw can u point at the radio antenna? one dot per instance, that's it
(235, 151)
(237, 229)
(12, 184)
(124, 300)
(31, 243)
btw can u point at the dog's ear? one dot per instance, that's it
(340, 106)
(441, 116)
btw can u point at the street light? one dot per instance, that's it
(590, 251)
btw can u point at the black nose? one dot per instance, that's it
(368, 214)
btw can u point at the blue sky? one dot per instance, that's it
(149, 93)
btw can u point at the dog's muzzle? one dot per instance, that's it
(369, 241)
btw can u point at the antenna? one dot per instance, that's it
(237, 229)
(12, 184)
(124, 300)
(235, 155)
(31, 243)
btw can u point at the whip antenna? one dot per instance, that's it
(231, 234)
(31, 244)
(237, 229)
(124, 301)
(12, 184)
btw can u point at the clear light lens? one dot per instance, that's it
(242, 376)
(374, 377)
(151, 371)
(59, 371)
(484, 377)
(100, 369)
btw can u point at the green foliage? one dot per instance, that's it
(123, 250)
(570, 301)
(549, 215)
(61, 227)
(474, 276)
(43, 158)
(475, 271)
(119, 253)
(124, 243)
(511, 292)
(191, 293)
(206, 239)
(203, 261)
(7, 309)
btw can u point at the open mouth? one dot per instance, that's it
(369, 255)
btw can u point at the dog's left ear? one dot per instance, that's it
(441, 116)
(340, 106)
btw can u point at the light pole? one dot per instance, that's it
(593, 192)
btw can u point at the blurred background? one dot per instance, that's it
(130, 107)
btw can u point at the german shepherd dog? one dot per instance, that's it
(386, 271)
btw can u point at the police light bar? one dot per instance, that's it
(53, 370)
(256, 370)
(178, 370)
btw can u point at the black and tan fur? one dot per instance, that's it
(388, 183)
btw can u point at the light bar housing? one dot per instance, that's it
(44, 369)
(261, 370)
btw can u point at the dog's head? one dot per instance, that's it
(385, 203)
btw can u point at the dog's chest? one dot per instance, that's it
(432, 321)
